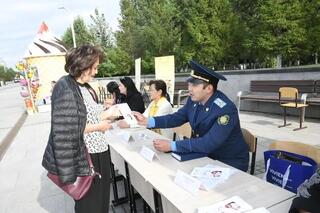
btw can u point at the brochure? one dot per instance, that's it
(232, 205)
(211, 173)
(127, 114)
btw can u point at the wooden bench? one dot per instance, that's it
(268, 91)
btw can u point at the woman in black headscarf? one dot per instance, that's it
(133, 97)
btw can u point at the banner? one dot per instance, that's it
(165, 70)
(137, 65)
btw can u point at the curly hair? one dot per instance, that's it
(82, 58)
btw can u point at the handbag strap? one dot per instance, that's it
(88, 157)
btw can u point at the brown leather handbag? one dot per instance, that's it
(81, 186)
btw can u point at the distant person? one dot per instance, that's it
(117, 97)
(159, 105)
(213, 118)
(308, 196)
(132, 96)
(76, 124)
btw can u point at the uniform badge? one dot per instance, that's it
(219, 102)
(223, 120)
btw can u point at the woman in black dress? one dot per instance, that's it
(132, 96)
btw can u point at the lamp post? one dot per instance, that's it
(72, 27)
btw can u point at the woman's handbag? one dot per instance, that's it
(288, 170)
(81, 186)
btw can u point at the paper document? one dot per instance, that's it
(211, 173)
(232, 205)
(127, 114)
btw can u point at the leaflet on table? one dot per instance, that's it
(232, 205)
(209, 183)
(127, 114)
(214, 173)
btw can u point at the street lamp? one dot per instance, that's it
(72, 27)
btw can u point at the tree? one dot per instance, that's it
(82, 34)
(204, 26)
(102, 36)
(7, 74)
(312, 26)
(126, 35)
(100, 30)
(159, 35)
(280, 29)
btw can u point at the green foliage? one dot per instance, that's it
(6, 74)
(117, 63)
(281, 28)
(82, 34)
(219, 33)
(312, 26)
(100, 30)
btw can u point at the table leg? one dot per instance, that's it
(114, 179)
(157, 202)
(131, 190)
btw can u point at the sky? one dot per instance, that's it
(21, 19)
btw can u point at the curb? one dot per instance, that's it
(5, 143)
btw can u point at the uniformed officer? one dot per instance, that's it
(213, 118)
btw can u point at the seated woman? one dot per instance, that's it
(308, 196)
(159, 105)
(117, 97)
(132, 97)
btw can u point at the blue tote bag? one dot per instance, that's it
(288, 170)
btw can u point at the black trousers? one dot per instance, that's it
(97, 198)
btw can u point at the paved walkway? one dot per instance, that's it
(25, 188)
(11, 114)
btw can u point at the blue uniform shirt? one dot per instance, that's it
(216, 130)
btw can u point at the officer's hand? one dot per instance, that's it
(140, 118)
(162, 145)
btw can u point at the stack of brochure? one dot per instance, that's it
(232, 205)
(211, 175)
